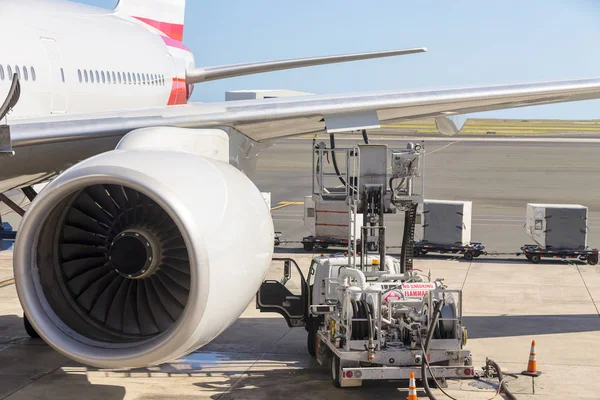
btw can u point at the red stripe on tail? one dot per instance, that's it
(174, 31)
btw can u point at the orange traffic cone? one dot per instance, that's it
(532, 364)
(412, 387)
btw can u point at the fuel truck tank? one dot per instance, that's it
(143, 254)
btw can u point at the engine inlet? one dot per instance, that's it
(120, 261)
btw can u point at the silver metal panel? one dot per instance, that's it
(373, 165)
(389, 373)
(352, 122)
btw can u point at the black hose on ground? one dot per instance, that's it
(435, 315)
(503, 387)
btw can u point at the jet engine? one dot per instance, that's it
(143, 254)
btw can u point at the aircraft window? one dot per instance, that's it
(119, 76)
(1, 73)
(144, 79)
(129, 77)
(97, 77)
(114, 77)
(103, 77)
(33, 77)
(18, 71)
(85, 76)
(108, 77)
(9, 71)
(92, 76)
(138, 79)
(79, 76)
(62, 74)
(25, 73)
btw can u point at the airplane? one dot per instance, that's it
(149, 238)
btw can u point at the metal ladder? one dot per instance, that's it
(408, 239)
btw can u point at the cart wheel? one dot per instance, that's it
(309, 246)
(477, 254)
(468, 256)
(335, 370)
(29, 328)
(592, 259)
(534, 258)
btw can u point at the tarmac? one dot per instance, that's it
(508, 302)
(506, 306)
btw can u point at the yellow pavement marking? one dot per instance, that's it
(282, 204)
(7, 282)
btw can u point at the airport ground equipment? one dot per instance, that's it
(535, 253)
(372, 323)
(368, 191)
(277, 238)
(368, 315)
(469, 251)
(447, 222)
(557, 226)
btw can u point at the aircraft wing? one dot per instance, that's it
(273, 118)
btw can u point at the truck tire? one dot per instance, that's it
(335, 370)
(593, 259)
(468, 256)
(29, 328)
(535, 259)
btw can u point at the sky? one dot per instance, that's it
(469, 42)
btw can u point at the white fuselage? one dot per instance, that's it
(73, 59)
(109, 62)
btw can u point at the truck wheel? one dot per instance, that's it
(309, 246)
(335, 370)
(29, 328)
(468, 256)
(592, 259)
(535, 258)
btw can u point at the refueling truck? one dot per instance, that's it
(368, 315)
(373, 324)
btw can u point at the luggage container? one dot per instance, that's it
(447, 222)
(557, 226)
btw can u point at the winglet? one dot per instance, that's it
(229, 71)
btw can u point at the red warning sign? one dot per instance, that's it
(417, 289)
(392, 295)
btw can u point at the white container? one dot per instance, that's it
(328, 218)
(557, 226)
(447, 222)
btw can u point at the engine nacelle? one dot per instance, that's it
(143, 254)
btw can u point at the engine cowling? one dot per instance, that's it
(143, 254)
